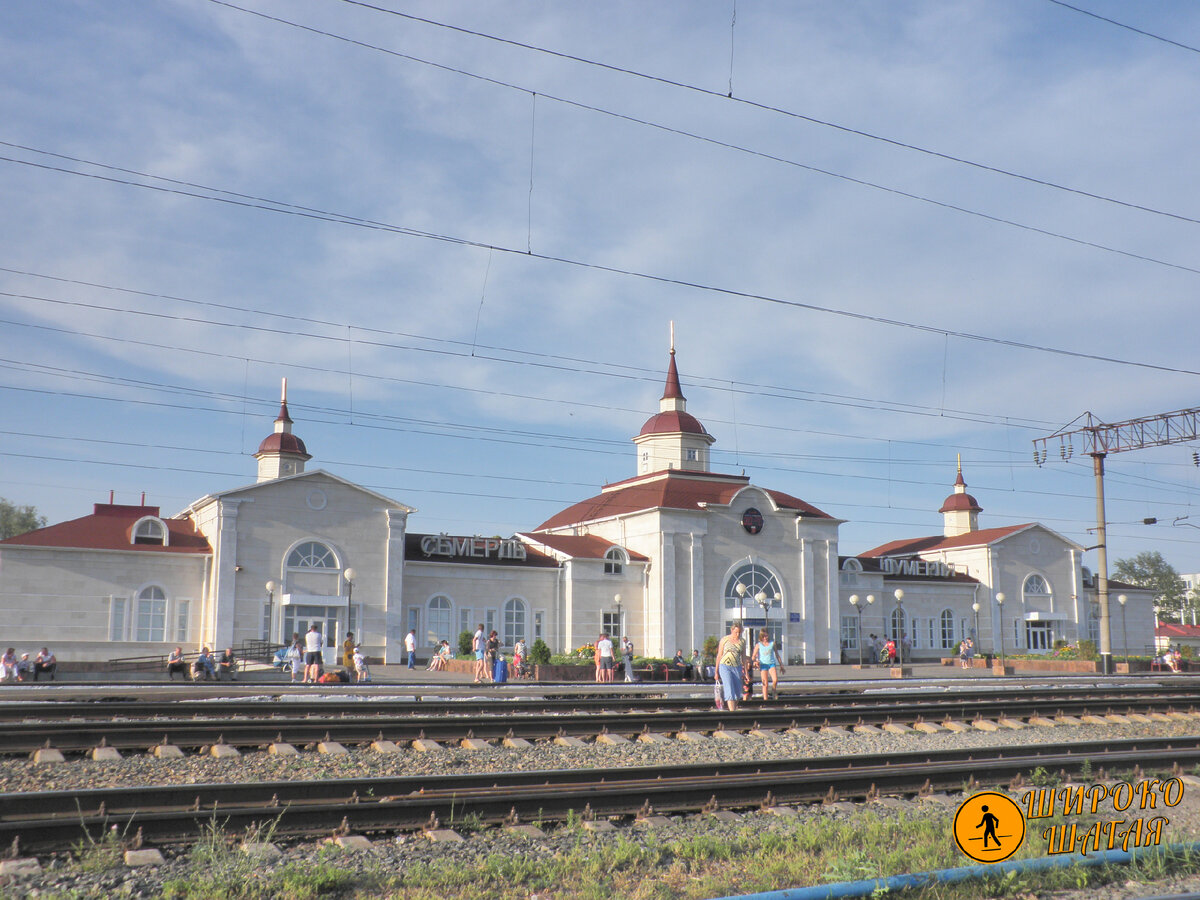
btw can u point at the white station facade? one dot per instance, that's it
(668, 557)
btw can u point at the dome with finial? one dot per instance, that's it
(960, 500)
(281, 452)
(960, 512)
(672, 438)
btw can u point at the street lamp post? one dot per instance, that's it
(1122, 599)
(1000, 604)
(899, 595)
(975, 609)
(854, 604)
(349, 575)
(271, 587)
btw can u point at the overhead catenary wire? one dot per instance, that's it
(338, 218)
(765, 107)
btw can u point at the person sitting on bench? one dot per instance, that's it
(228, 665)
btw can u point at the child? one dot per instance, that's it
(360, 666)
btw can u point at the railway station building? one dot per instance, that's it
(669, 556)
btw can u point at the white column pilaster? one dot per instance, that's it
(393, 588)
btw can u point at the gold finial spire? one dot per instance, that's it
(960, 464)
(283, 398)
(672, 337)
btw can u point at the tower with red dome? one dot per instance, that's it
(672, 438)
(281, 453)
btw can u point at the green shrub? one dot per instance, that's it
(465, 639)
(539, 653)
(1087, 650)
(709, 653)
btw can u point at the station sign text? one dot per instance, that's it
(476, 547)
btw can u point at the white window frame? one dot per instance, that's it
(432, 638)
(147, 605)
(511, 631)
(118, 618)
(947, 634)
(153, 528)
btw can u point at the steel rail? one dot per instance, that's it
(81, 736)
(175, 813)
(201, 705)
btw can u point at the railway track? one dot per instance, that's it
(248, 725)
(270, 703)
(37, 822)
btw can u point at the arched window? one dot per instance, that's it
(514, 621)
(150, 530)
(947, 620)
(745, 584)
(851, 569)
(311, 555)
(439, 619)
(614, 561)
(1036, 587)
(150, 615)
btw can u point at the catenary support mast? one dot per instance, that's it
(1100, 439)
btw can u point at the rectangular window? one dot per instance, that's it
(266, 621)
(849, 632)
(466, 621)
(610, 624)
(116, 619)
(690, 455)
(489, 622)
(537, 625)
(151, 623)
(183, 617)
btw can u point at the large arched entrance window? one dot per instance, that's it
(1037, 597)
(317, 593)
(750, 587)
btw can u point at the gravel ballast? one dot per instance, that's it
(59, 877)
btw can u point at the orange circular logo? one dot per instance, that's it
(989, 827)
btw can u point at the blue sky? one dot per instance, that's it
(464, 253)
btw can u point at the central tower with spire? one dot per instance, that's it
(281, 453)
(672, 438)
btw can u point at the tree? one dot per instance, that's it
(1150, 570)
(18, 519)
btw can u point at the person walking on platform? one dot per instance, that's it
(479, 648)
(313, 642)
(730, 654)
(768, 662)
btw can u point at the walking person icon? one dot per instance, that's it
(988, 824)
(989, 827)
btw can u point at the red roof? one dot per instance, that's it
(672, 390)
(961, 503)
(1166, 629)
(908, 546)
(110, 527)
(283, 442)
(673, 489)
(582, 546)
(671, 422)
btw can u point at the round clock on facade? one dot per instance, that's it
(752, 520)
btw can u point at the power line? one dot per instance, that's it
(337, 218)
(1149, 34)
(624, 371)
(730, 98)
